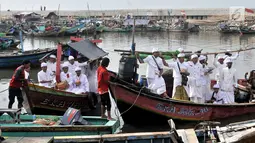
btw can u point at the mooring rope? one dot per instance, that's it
(4, 90)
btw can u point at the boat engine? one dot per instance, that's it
(127, 65)
(73, 117)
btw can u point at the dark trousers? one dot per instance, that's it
(15, 92)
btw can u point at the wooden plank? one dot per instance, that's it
(191, 136)
(220, 135)
(29, 140)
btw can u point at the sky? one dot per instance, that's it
(120, 4)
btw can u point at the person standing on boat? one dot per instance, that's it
(205, 78)
(45, 77)
(103, 78)
(217, 96)
(154, 72)
(219, 64)
(180, 88)
(17, 82)
(51, 64)
(92, 75)
(66, 76)
(228, 81)
(80, 82)
(74, 64)
(194, 79)
(228, 55)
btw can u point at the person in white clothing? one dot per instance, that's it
(45, 76)
(154, 72)
(194, 80)
(217, 96)
(66, 76)
(74, 64)
(51, 64)
(80, 82)
(228, 81)
(228, 55)
(218, 62)
(92, 75)
(179, 67)
(205, 78)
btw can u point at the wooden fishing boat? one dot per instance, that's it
(26, 128)
(73, 30)
(152, 106)
(50, 101)
(51, 33)
(9, 58)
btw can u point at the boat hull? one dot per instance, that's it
(99, 126)
(176, 109)
(16, 60)
(49, 101)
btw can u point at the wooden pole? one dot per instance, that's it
(59, 55)
(143, 52)
(58, 10)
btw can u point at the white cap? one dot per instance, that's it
(216, 86)
(181, 50)
(70, 58)
(202, 57)
(77, 69)
(181, 55)
(65, 65)
(194, 56)
(220, 57)
(53, 56)
(43, 65)
(228, 60)
(155, 50)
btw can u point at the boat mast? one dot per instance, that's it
(58, 11)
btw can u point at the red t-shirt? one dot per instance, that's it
(18, 77)
(102, 80)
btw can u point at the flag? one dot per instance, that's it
(249, 10)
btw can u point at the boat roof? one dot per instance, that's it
(88, 49)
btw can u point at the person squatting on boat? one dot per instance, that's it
(217, 96)
(228, 81)
(66, 78)
(45, 77)
(18, 81)
(180, 73)
(103, 78)
(80, 82)
(154, 72)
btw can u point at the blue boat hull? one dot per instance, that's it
(74, 29)
(16, 60)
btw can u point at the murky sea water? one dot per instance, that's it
(208, 41)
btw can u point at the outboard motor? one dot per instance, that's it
(127, 68)
(73, 117)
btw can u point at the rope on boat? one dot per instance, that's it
(132, 104)
(4, 90)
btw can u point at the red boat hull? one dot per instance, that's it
(176, 109)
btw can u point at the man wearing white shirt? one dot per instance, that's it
(205, 79)
(66, 76)
(217, 96)
(74, 64)
(51, 64)
(45, 76)
(228, 81)
(80, 82)
(229, 56)
(195, 82)
(154, 72)
(218, 62)
(179, 67)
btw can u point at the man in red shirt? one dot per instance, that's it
(17, 82)
(103, 85)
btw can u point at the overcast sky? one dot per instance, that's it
(121, 4)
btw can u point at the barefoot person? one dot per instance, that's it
(17, 82)
(103, 86)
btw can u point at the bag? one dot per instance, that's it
(156, 63)
(184, 77)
